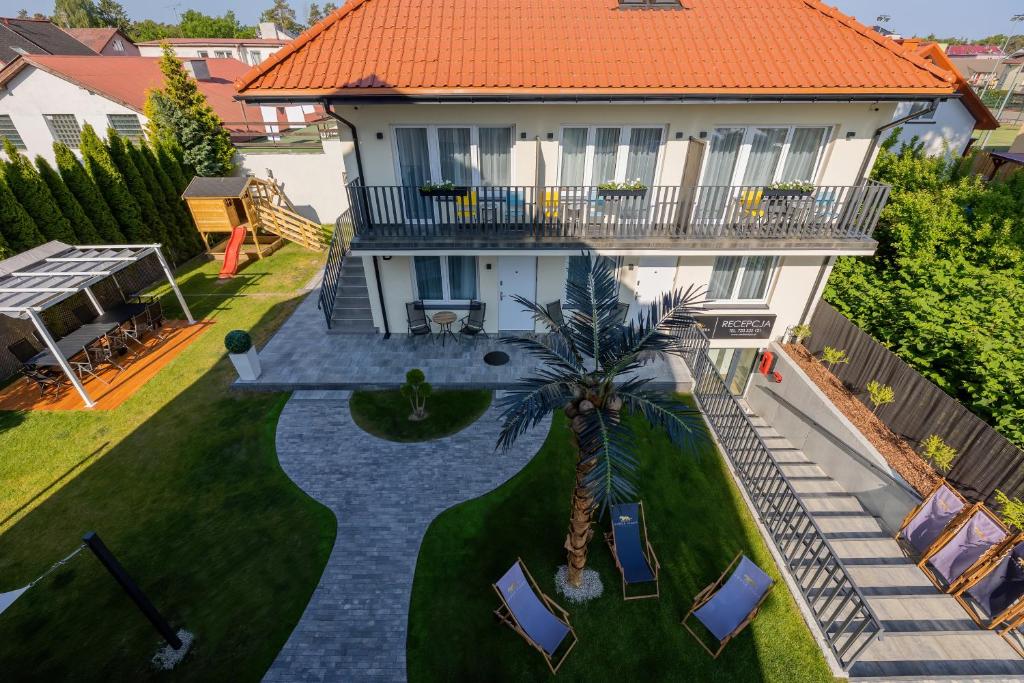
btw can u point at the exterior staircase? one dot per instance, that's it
(351, 314)
(928, 636)
(275, 213)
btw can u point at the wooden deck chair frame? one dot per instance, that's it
(504, 614)
(1014, 624)
(609, 538)
(706, 595)
(978, 572)
(913, 513)
(952, 530)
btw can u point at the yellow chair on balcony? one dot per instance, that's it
(465, 206)
(550, 203)
(750, 202)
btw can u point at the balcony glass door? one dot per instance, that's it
(413, 171)
(595, 155)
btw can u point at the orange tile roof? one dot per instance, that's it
(372, 47)
(126, 79)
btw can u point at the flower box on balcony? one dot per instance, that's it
(616, 193)
(770, 192)
(444, 192)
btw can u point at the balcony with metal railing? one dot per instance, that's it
(660, 217)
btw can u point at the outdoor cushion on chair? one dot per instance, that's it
(531, 614)
(979, 534)
(931, 518)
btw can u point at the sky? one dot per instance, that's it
(909, 17)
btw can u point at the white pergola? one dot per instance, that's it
(44, 276)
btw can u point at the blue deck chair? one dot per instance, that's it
(726, 608)
(531, 614)
(631, 549)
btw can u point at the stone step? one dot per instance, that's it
(966, 654)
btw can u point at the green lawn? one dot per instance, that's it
(1000, 138)
(386, 413)
(182, 483)
(697, 522)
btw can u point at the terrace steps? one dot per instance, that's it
(928, 635)
(351, 313)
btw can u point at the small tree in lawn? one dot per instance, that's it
(589, 372)
(800, 333)
(880, 394)
(108, 178)
(70, 208)
(180, 113)
(833, 357)
(17, 227)
(34, 196)
(89, 197)
(416, 390)
(939, 453)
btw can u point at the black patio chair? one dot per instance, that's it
(554, 310)
(417, 318)
(23, 350)
(473, 324)
(45, 378)
(84, 314)
(155, 313)
(621, 312)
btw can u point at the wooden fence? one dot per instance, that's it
(986, 461)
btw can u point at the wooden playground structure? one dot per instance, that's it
(247, 216)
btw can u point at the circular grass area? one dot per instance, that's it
(385, 413)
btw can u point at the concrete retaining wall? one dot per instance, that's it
(801, 412)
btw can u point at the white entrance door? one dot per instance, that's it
(516, 275)
(655, 276)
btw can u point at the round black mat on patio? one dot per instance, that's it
(496, 358)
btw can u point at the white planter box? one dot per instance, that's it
(247, 364)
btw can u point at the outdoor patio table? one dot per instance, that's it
(121, 313)
(73, 344)
(444, 320)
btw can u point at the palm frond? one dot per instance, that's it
(592, 296)
(529, 403)
(553, 349)
(656, 328)
(540, 314)
(606, 443)
(683, 424)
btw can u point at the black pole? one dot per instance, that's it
(108, 560)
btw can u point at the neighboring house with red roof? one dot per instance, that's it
(947, 130)
(270, 38)
(986, 51)
(105, 41)
(528, 110)
(49, 97)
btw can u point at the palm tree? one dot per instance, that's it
(590, 372)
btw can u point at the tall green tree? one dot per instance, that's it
(329, 8)
(74, 13)
(172, 196)
(85, 231)
(89, 197)
(147, 29)
(108, 178)
(169, 217)
(112, 13)
(589, 368)
(195, 24)
(34, 196)
(17, 227)
(180, 113)
(315, 14)
(282, 14)
(152, 218)
(167, 157)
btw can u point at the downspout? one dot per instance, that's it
(362, 177)
(862, 174)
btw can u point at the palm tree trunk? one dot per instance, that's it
(581, 515)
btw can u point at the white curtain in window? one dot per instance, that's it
(462, 277)
(804, 149)
(428, 277)
(757, 272)
(606, 149)
(765, 152)
(453, 146)
(723, 154)
(723, 277)
(642, 158)
(495, 156)
(574, 156)
(414, 169)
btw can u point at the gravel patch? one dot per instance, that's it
(590, 589)
(897, 452)
(166, 658)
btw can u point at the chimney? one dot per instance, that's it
(197, 68)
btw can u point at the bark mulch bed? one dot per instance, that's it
(897, 452)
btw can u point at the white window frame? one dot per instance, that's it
(747, 143)
(621, 155)
(118, 45)
(921, 105)
(140, 135)
(13, 134)
(49, 118)
(740, 271)
(223, 54)
(204, 54)
(434, 152)
(445, 283)
(255, 57)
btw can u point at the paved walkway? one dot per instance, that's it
(384, 495)
(928, 635)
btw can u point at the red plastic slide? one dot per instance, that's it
(230, 266)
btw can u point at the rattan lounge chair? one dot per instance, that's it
(417, 318)
(727, 606)
(533, 615)
(473, 323)
(993, 592)
(632, 550)
(968, 543)
(926, 522)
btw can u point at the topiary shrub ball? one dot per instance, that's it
(237, 341)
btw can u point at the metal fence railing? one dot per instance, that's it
(847, 622)
(332, 269)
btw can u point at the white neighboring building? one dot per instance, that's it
(948, 130)
(250, 51)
